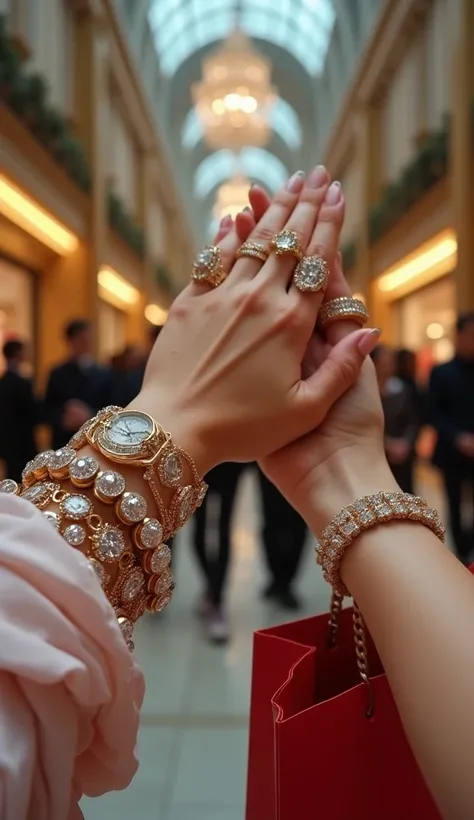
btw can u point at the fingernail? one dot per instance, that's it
(295, 183)
(334, 194)
(369, 341)
(226, 221)
(318, 177)
(247, 210)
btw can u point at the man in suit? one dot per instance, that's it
(451, 409)
(78, 387)
(19, 412)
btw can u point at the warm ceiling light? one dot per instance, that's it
(33, 219)
(115, 289)
(438, 258)
(156, 315)
(359, 296)
(435, 330)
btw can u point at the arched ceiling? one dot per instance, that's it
(293, 34)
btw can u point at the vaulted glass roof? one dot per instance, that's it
(301, 27)
(254, 163)
(283, 118)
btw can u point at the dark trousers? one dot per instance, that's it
(283, 535)
(459, 485)
(212, 528)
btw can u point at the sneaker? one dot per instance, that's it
(203, 607)
(217, 627)
(287, 599)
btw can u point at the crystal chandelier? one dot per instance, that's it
(232, 197)
(235, 96)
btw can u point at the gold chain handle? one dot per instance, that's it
(360, 642)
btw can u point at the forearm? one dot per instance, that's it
(418, 603)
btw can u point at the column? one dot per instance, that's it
(462, 177)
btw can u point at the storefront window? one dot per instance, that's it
(16, 304)
(426, 321)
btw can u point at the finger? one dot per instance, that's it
(339, 371)
(338, 286)
(244, 224)
(323, 243)
(225, 225)
(302, 221)
(272, 221)
(259, 201)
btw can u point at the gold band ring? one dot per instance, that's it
(208, 268)
(253, 249)
(345, 307)
(287, 243)
(311, 274)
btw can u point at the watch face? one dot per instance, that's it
(129, 429)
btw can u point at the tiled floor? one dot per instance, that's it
(193, 738)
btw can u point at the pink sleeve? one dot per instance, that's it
(70, 692)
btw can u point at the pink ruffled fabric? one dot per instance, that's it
(70, 691)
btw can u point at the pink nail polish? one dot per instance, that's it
(334, 194)
(295, 182)
(318, 177)
(369, 341)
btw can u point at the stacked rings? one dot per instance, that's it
(208, 268)
(253, 249)
(345, 307)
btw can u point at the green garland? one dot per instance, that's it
(27, 96)
(163, 279)
(126, 227)
(427, 168)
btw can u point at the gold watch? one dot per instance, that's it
(128, 437)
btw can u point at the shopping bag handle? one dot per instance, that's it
(359, 641)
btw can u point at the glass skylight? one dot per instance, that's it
(254, 163)
(302, 27)
(283, 118)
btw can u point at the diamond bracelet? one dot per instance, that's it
(363, 514)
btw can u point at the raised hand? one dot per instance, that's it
(238, 393)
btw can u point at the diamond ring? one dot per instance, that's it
(311, 274)
(207, 266)
(253, 249)
(345, 307)
(287, 243)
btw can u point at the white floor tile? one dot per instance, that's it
(211, 768)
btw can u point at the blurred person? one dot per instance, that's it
(212, 546)
(19, 411)
(126, 375)
(283, 537)
(406, 367)
(78, 387)
(451, 407)
(401, 415)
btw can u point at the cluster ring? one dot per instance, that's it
(287, 243)
(253, 249)
(311, 274)
(208, 267)
(345, 307)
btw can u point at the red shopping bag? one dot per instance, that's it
(313, 753)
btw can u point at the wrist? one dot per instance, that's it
(182, 424)
(348, 475)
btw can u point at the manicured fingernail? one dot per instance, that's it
(247, 210)
(226, 222)
(318, 177)
(369, 341)
(334, 194)
(295, 183)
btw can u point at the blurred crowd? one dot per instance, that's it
(430, 422)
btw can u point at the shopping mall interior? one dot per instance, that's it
(128, 129)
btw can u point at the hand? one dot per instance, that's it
(465, 444)
(397, 450)
(225, 374)
(343, 457)
(75, 414)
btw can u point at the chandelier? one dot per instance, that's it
(235, 96)
(232, 197)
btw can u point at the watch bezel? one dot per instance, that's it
(142, 452)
